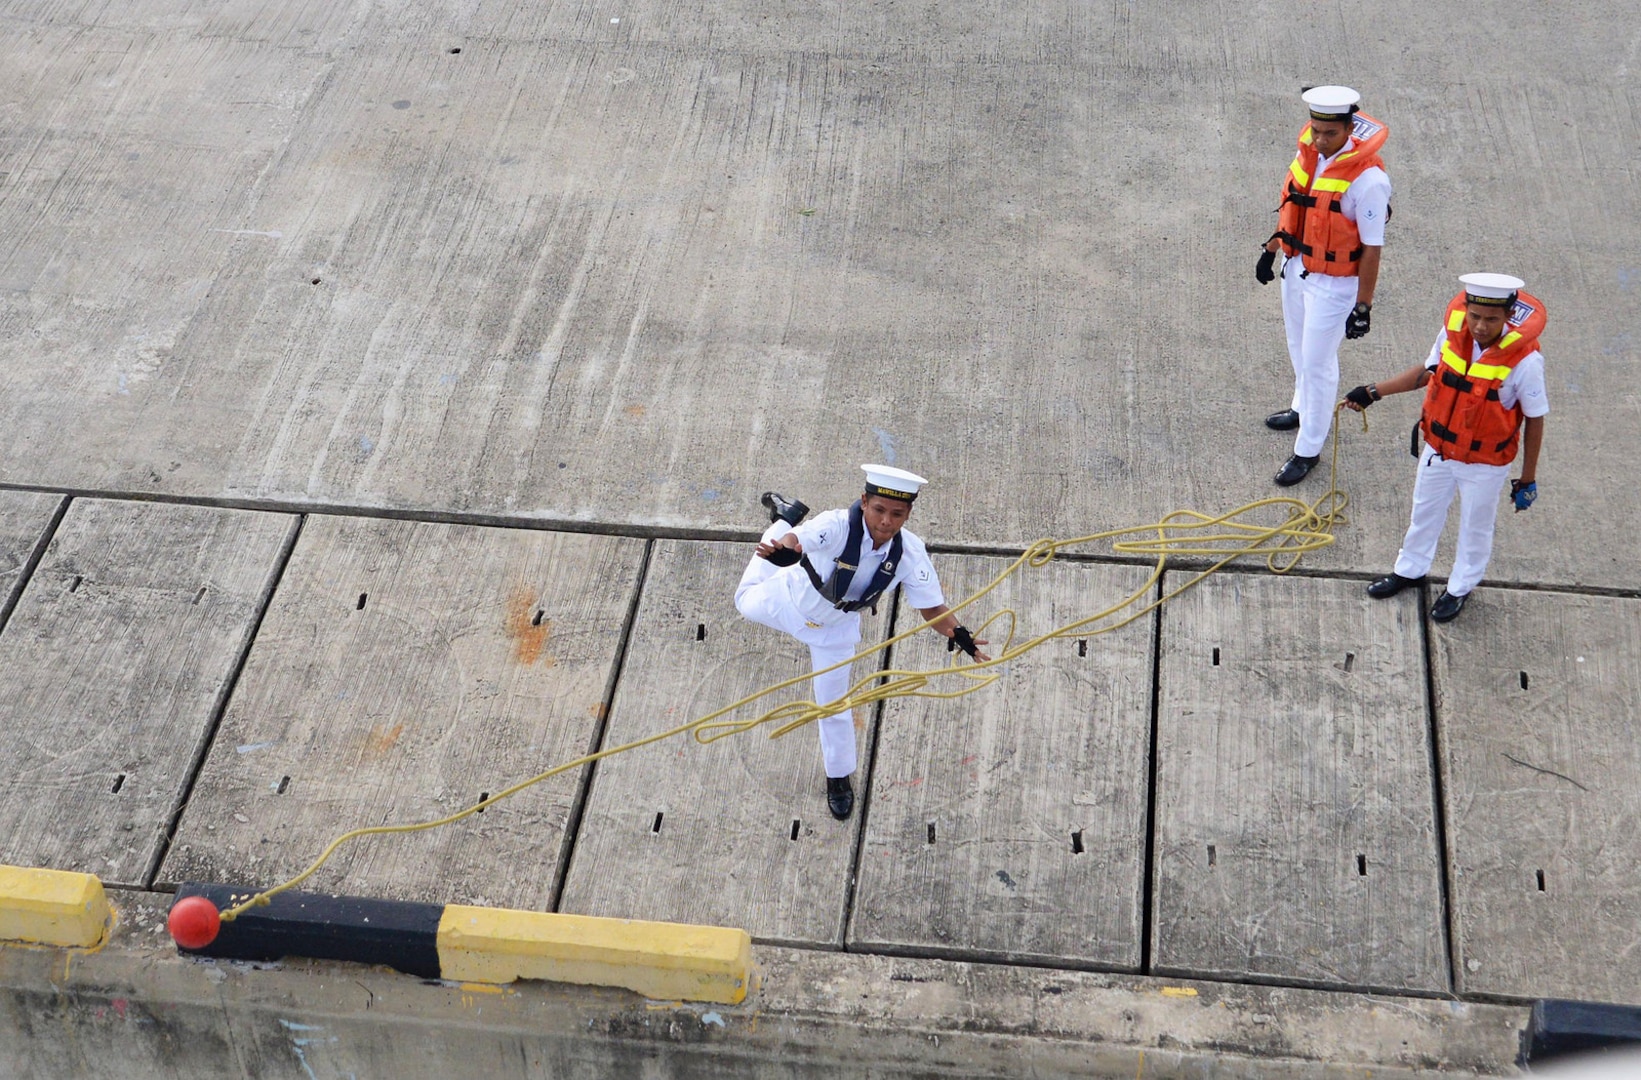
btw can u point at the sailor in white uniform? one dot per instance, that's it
(1331, 230)
(1484, 401)
(811, 578)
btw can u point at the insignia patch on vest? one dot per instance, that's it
(1521, 312)
(1363, 129)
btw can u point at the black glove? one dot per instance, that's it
(1360, 395)
(784, 556)
(1265, 269)
(1358, 322)
(962, 639)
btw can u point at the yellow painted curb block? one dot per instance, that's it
(670, 961)
(52, 907)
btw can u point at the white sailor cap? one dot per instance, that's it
(1331, 102)
(1496, 289)
(892, 482)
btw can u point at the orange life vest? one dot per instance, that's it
(1463, 418)
(1311, 220)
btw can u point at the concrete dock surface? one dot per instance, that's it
(386, 391)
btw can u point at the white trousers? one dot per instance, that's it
(763, 597)
(1478, 488)
(1314, 310)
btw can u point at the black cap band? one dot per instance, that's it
(891, 493)
(1334, 116)
(1490, 301)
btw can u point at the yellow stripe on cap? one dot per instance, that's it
(668, 961)
(52, 907)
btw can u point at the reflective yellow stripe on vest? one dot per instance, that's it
(1508, 340)
(1303, 177)
(1475, 371)
(1455, 321)
(1329, 184)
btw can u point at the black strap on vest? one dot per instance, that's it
(1299, 198)
(1294, 242)
(835, 589)
(1463, 385)
(1456, 381)
(1448, 435)
(1355, 256)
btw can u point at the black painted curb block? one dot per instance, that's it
(399, 934)
(462, 943)
(1558, 1028)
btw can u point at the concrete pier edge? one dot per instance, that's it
(137, 999)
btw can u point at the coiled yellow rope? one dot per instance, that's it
(1308, 527)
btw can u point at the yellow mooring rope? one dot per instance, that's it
(1226, 538)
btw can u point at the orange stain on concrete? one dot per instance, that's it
(634, 411)
(527, 627)
(382, 739)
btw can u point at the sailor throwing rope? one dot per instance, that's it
(811, 580)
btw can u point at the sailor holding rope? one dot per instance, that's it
(811, 579)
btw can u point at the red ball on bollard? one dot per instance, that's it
(193, 922)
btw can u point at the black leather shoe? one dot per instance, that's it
(1391, 584)
(1447, 607)
(1286, 420)
(840, 797)
(1296, 469)
(781, 508)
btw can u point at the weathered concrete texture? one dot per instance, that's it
(1010, 823)
(1295, 830)
(1536, 697)
(113, 669)
(403, 672)
(24, 518)
(609, 264)
(134, 147)
(735, 832)
(136, 1009)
